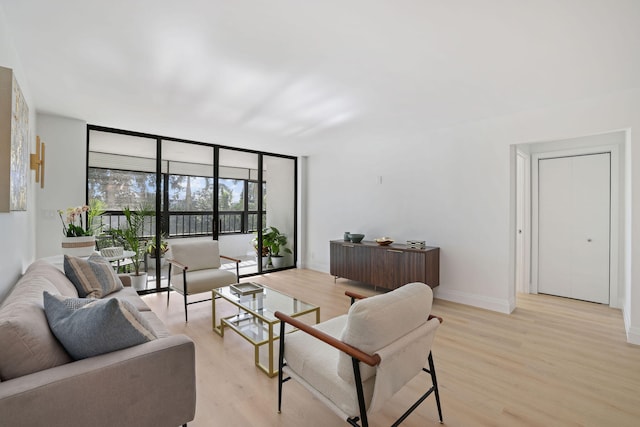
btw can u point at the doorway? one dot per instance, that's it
(574, 213)
(527, 252)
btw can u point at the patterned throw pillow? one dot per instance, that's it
(93, 277)
(89, 327)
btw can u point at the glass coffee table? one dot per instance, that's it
(255, 320)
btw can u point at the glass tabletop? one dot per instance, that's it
(265, 302)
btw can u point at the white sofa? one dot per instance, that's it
(41, 385)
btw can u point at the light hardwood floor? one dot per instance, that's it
(552, 362)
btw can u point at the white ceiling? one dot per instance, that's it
(289, 75)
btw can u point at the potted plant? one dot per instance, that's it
(262, 254)
(275, 241)
(153, 248)
(132, 234)
(78, 235)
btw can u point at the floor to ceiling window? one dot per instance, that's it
(188, 173)
(194, 190)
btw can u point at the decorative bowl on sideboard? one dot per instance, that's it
(384, 241)
(356, 238)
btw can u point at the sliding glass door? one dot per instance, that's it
(122, 175)
(238, 210)
(188, 174)
(196, 190)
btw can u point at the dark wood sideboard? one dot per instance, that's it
(386, 266)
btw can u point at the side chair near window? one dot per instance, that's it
(109, 242)
(195, 268)
(356, 362)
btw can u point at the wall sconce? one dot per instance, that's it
(37, 161)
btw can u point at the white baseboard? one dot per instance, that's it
(633, 333)
(480, 301)
(322, 268)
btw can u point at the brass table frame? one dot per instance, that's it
(245, 314)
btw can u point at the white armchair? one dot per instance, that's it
(194, 268)
(354, 363)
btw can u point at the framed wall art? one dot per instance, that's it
(14, 144)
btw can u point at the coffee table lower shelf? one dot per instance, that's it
(257, 324)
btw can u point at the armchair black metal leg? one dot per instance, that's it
(432, 370)
(433, 389)
(358, 379)
(185, 308)
(169, 284)
(185, 293)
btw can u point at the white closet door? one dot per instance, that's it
(573, 226)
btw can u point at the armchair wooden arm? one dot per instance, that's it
(237, 261)
(354, 296)
(177, 264)
(230, 259)
(371, 360)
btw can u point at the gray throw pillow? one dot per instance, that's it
(89, 327)
(93, 277)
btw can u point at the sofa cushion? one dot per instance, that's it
(26, 342)
(88, 327)
(93, 277)
(375, 322)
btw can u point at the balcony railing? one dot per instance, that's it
(190, 224)
(183, 224)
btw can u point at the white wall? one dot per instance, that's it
(17, 228)
(452, 188)
(66, 180)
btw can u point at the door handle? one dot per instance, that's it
(589, 240)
